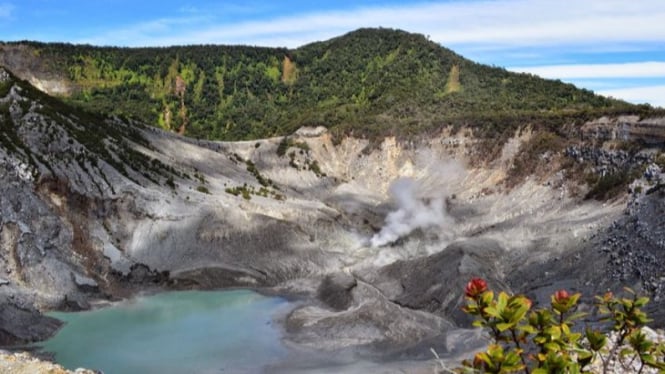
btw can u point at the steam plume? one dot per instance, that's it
(420, 204)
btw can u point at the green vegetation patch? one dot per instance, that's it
(369, 83)
(315, 168)
(246, 191)
(660, 161)
(263, 181)
(610, 185)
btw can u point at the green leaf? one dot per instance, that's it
(565, 329)
(502, 301)
(574, 337)
(527, 329)
(584, 357)
(575, 316)
(554, 332)
(641, 301)
(519, 313)
(573, 368)
(487, 297)
(540, 340)
(492, 312)
(626, 352)
(503, 326)
(485, 357)
(642, 319)
(479, 323)
(552, 347)
(574, 299)
(513, 360)
(597, 340)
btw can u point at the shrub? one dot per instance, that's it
(610, 185)
(287, 143)
(200, 177)
(283, 146)
(239, 191)
(251, 167)
(304, 147)
(316, 169)
(545, 340)
(247, 191)
(292, 160)
(203, 189)
(660, 160)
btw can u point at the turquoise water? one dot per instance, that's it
(174, 332)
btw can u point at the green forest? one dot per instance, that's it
(368, 82)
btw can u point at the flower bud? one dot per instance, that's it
(562, 301)
(475, 287)
(561, 296)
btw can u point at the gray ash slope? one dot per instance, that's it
(60, 169)
(95, 208)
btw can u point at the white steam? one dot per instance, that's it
(420, 204)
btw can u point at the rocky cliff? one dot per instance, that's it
(95, 208)
(649, 130)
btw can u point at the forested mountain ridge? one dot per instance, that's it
(368, 82)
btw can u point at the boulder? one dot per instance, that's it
(436, 283)
(24, 324)
(335, 290)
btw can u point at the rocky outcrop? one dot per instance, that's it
(436, 283)
(608, 161)
(20, 59)
(634, 247)
(402, 308)
(335, 290)
(24, 363)
(372, 325)
(24, 324)
(626, 128)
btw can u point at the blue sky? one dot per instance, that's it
(614, 47)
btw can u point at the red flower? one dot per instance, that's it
(561, 296)
(475, 287)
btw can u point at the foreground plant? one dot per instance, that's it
(544, 340)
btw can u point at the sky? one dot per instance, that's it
(613, 47)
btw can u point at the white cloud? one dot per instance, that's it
(648, 69)
(654, 95)
(490, 23)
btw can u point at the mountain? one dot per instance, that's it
(370, 82)
(375, 236)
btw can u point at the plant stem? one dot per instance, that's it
(517, 344)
